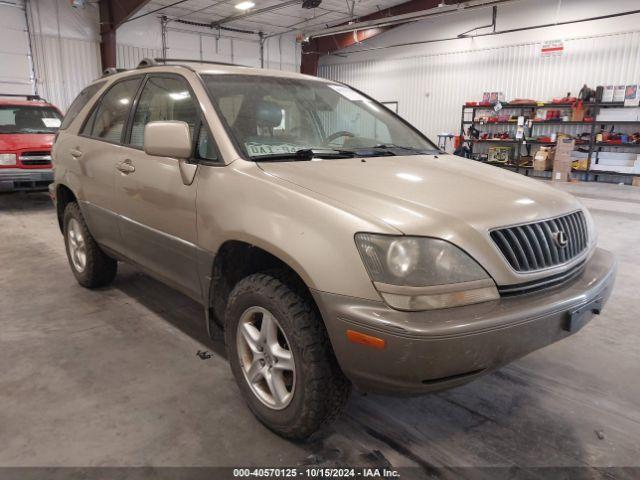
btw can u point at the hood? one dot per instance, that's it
(429, 195)
(25, 141)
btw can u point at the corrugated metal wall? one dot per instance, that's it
(15, 57)
(431, 89)
(128, 56)
(64, 67)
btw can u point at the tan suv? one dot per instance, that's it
(330, 240)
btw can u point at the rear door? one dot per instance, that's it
(96, 151)
(157, 209)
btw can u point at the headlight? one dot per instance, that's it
(418, 273)
(8, 159)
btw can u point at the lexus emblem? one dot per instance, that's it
(560, 239)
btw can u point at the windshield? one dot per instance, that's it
(277, 117)
(25, 119)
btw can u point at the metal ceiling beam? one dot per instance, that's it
(412, 17)
(114, 13)
(316, 47)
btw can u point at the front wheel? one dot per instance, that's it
(281, 357)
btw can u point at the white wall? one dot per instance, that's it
(431, 81)
(15, 61)
(66, 48)
(142, 37)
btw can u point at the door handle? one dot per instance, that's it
(126, 167)
(75, 153)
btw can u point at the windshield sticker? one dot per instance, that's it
(347, 93)
(256, 148)
(51, 122)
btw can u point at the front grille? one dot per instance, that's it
(540, 245)
(35, 158)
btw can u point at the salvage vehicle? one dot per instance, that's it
(331, 242)
(27, 128)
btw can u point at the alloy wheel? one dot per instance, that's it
(76, 245)
(266, 358)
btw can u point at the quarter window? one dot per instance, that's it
(78, 104)
(108, 120)
(205, 148)
(163, 98)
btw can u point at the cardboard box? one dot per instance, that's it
(635, 182)
(580, 164)
(561, 176)
(607, 94)
(495, 97)
(499, 154)
(619, 93)
(543, 159)
(563, 162)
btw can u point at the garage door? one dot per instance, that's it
(15, 62)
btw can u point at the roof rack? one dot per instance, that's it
(29, 97)
(152, 62)
(112, 71)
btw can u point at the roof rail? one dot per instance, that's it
(191, 60)
(29, 97)
(112, 71)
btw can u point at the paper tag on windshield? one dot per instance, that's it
(256, 148)
(347, 92)
(51, 122)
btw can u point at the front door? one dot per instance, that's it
(157, 209)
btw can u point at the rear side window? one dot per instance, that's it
(78, 104)
(163, 98)
(108, 120)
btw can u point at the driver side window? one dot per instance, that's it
(163, 98)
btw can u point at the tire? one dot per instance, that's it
(317, 391)
(90, 265)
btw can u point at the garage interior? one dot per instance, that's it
(126, 375)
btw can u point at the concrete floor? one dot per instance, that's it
(111, 377)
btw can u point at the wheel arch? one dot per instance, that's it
(237, 259)
(64, 196)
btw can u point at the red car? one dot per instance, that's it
(28, 125)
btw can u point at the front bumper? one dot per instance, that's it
(22, 179)
(439, 349)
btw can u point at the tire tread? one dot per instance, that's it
(327, 389)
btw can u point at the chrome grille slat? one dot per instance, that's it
(536, 246)
(548, 259)
(518, 249)
(573, 237)
(503, 245)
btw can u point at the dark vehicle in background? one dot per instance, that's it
(28, 125)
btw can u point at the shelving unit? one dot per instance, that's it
(528, 111)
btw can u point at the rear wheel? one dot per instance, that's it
(281, 357)
(90, 265)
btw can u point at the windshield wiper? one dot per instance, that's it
(304, 154)
(391, 147)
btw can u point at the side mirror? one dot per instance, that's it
(167, 139)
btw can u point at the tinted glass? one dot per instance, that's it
(79, 103)
(163, 98)
(205, 148)
(26, 119)
(110, 117)
(273, 115)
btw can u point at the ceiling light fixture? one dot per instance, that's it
(245, 5)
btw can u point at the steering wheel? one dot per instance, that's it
(336, 135)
